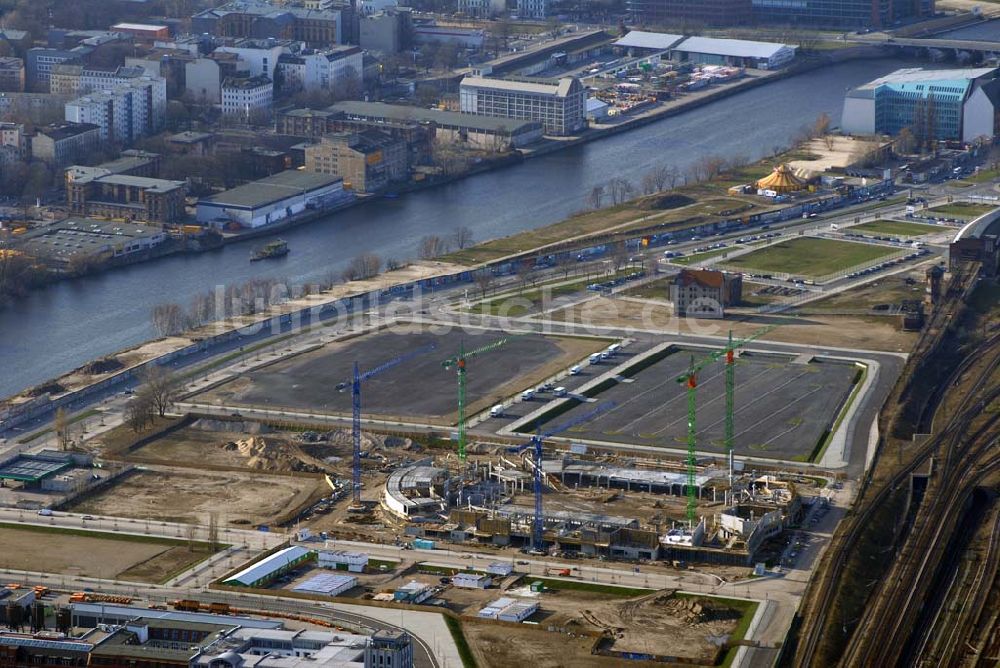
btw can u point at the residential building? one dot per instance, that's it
(39, 62)
(260, 203)
(98, 191)
(247, 100)
(368, 161)
(13, 135)
(11, 75)
(64, 143)
(38, 108)
(256, 18)
(125, 112)
(333, 70)
(560, 106)
(389, 649)
(192, 143)
(956, 105)
(482, 9)
(532, 9)
(143, 32)
(385, 31)
(261, 55)
(203, 80)
(75, 80)
(704, 293)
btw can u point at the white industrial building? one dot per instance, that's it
(328, 584)
(353, 562)
(509, 610)
(270, 567)
(501, 568)
(644, 42)
(472, 580)
(560, 105)
(272, 199)
(332, 69)
(735, 52)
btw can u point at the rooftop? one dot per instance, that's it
(269, 565)
(274, 188)
(62, 131)
(114, 613)
(542, 87)
(649, 40)
(27, 468)
(740, 48)
(908, 75)
(398, 112)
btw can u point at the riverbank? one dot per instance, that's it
(676, 107)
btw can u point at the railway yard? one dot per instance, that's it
(581, 484)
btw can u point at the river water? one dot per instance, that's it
(59, 328)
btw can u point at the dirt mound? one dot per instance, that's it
(106, 365)
(667, 202)
(370, 442)
(47, 388)
(264, 455)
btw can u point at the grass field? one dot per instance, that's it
(896, 227)
(962, 210)
(810, 257)
(96, 554)
(982, 176)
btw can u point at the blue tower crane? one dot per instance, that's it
(538, 522)
(357, 379)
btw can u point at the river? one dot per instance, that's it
(59, 328)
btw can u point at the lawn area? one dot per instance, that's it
(962, 210)
(698, 257)
(982, 176)
(896, 227)
(810, 257)
(515, 304)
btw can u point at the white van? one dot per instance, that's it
(497, 411)
(45, 511)
(527, 395)
(595, 358)
(575, 370)
(560, 391)
(614, 348)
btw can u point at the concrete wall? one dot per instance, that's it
(978, 116)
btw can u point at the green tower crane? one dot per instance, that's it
(690, 378)
(459, 361)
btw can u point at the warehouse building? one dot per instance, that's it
(560, 105)
(76, 239)
(327, 584)
(733, 52)
(98, 191)
(509, 610)
(472, 581)
(957, 105)
(450, 126)
(263, 572)
(272, 199)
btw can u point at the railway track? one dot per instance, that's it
(952, 641)
(824, 589)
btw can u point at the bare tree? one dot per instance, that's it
(619, 255)
(213, 530)
(648, 183)
(905, 142)
(822, 125)
(484, 279)
(160, 385)
(462, 237)
(392, 264)
(432, 246)
(620, 189)
(61, 427)
(363, 266)
(595, 197)
(139, 412)
(168, 319)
